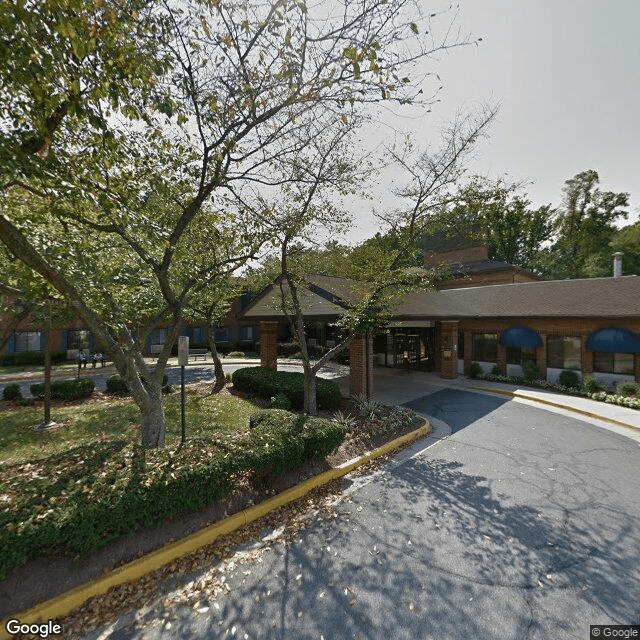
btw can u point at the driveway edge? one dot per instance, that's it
(559, 405)
(63, 604)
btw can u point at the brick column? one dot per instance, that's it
(586, 356)
(361, 365)
(449, 349)
(541, 357)
(636, 366)
(501, 359)
(269, 345)
(468, 348)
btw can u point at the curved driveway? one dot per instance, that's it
(521, 524)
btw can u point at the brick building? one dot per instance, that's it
(488, 312)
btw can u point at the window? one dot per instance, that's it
(222, 335)
(158, 336)
(461, 345)
(246, 334)
(518, 355)
(563, 353)
(197, 335)
(26, 341)
(78, 339)
(605, 362)
(485, 347)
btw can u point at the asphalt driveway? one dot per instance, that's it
(522, 524)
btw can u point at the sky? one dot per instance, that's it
(566, 77)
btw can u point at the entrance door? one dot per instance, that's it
(412, 348)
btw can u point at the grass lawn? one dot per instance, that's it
(113, 419)
(51, 481)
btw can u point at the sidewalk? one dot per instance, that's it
(395, 386)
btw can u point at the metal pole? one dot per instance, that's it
(47, 366)
(184, 428)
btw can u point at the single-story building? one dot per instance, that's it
(590, 326)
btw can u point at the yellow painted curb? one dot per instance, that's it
(63, 604)
(559, 405)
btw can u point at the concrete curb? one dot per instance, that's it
(63, 604)
(559, 405)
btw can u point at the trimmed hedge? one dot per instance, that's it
(65, 389)
(113, 489)
(116, 385)
(12, 392)
(30, 357)
(568, 378)
(267, 383)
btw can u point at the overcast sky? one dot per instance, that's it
(566, 75)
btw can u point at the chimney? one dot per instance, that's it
(617, 264)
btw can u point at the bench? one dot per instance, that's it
(198, 353)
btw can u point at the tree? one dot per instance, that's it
(514, 231)
(124, 119)
(584, 226)
(382, 278)
(626, 240)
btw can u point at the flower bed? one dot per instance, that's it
(600, 396)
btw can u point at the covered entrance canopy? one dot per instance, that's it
(614, 341)
(520, 337)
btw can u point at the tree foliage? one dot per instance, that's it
(136, 137)
(584, 227)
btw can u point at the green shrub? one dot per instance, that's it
(568, 378)
(475, 370)
(266, 383)
(235, 354)
(530, 371)
(12, 392)
(288, 349)
(281, 401)
(591, 385)
(628, 388)
(116, 385)
(322, 436)
(496, 370)
(65, 389)
(24, 358)
(283, 439)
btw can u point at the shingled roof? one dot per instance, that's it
(588, 298)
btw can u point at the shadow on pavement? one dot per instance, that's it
(455, 407)
(428, 551)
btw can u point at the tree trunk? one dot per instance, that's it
(217, 366)
(150, 403)
(310, 405)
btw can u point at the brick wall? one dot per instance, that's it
(361, 365)
(448, 347)
(269, 345)
(570, 327)
(467, 254)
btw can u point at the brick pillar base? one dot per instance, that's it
(587, 357)
(636, 366)
(449, 349)
(269, 345)
(502, 358)
(468, 351)
(541, 357)
(361, 365)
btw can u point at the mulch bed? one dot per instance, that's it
(50, 575)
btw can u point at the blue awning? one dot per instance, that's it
(614, 341)
(520, 337)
